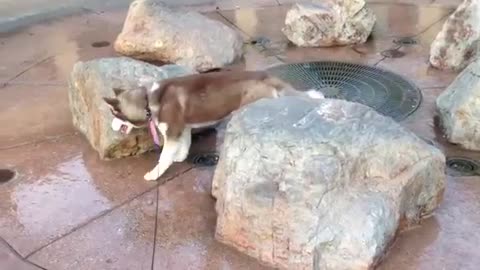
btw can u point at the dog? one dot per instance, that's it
(177, 105)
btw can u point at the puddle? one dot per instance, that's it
(393, 53)
(6, 175)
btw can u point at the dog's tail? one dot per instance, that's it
(285, 89)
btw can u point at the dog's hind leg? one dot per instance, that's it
(171, 146)
(184, 148)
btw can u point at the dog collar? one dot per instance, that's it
(121, 126)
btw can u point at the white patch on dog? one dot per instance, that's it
(315, 94)
(182, 99)
(169, 151)
(154, 107)
(122, 126)
(173, 151)
(275, 93)
(162, 127)
(155, 86)
(170, 148)
(204, 124)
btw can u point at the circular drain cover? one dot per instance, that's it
(384, 91)
(463, 166)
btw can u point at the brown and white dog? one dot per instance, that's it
(177, 105)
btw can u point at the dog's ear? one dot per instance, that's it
(118, 91)
(111, 102)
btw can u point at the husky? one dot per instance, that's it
(177, 105)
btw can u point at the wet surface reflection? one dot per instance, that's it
(106, 210)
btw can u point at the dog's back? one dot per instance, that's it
(212, 96)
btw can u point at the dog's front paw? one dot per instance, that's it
(151, 176)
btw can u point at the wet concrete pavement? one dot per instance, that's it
(67, 209)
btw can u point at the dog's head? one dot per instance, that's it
(128, 108)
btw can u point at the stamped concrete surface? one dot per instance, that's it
(67, 209)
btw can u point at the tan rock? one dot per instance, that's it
(457, 44)
(91, 81)
(306, 185)
(459, 108)
(153, 31)
(329, 23)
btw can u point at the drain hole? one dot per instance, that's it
(393, 53)
(100, 44)
(6, 175)
(462, 166)
(405, 41)
(205, 159)
(262, 41)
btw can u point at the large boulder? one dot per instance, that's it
(306, 185)
(459, 108)
(153, 31)
(457, 44)
(91, 81)
(329, 23)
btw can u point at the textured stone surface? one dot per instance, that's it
(329, 23)
(457, 44)
(91, 81)
(305, 185)
(11, 260)
(153, 31)
(459, 108)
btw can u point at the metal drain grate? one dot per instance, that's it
(386, 92)
(405, 41)
(459, 166)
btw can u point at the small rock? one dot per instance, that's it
(153, 31)
(457, 44)
(91, 81)
(329, 23)
(307, 185)
(459, 108)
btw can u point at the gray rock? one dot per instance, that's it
(305, 185)
(91, 81)
(153, 31)
(457, 44)
(459, 108)
(329, 23)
